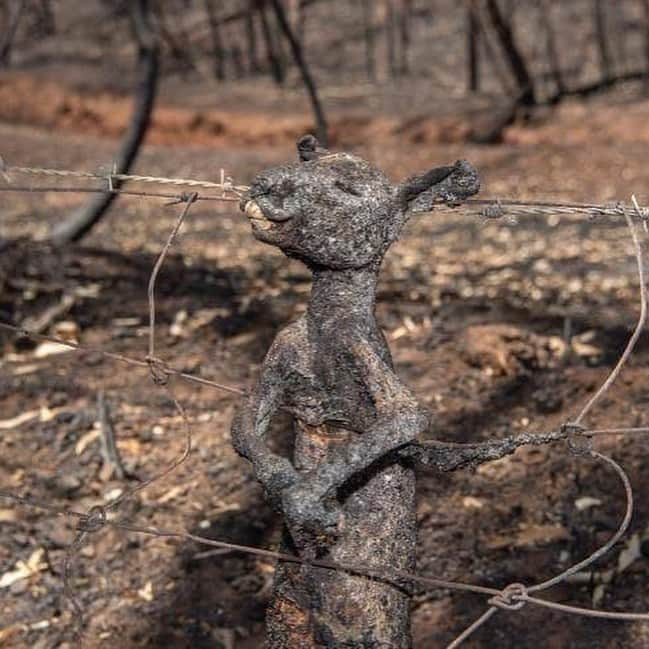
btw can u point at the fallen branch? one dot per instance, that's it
(109, 451)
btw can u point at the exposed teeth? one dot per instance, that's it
(254, 213)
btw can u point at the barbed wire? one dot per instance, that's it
(487, 208)
(124, 192)
(512, 597)
(128, 360)
(497, 208)
(642, 319)
(226, 184)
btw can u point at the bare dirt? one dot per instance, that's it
(498, 327)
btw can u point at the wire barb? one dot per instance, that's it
(93, 521)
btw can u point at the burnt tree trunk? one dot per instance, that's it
(472, 34)
(251, 38)
(370, 42)
(617, 31)
(602, 41)
(390, 38)
(307, 78)
(551, 49)
(218, 51)
(404, 37)
(295, 18)
(10, 33)
(81, 222)
(513, 55)
(484, 39)
(645, 6)
(48, 16)
(237, 61)
(177, 43)
(46, 23)
(272, 52)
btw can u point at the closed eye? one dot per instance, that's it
(344, 187)
(285, 188)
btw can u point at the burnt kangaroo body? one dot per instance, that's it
(346, 494)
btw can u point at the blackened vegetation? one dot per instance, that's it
(346, 494)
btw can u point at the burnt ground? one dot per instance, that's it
(498, 326)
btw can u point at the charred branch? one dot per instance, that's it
(12, 27)
(81, 222)
(307, 77)
(513, 55)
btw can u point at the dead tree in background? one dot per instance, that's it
(251, 38)
(13, 21)
(484, 40)
(389, 27)
(599, 18)
(236, 55)
(513, 55)
(405, 10)
(610, 76)
(218, 53)
(618, 33)
(177, 41)
(645, 6)
(489, 129)
(272, 51)
(295, 15)
(370, 41)
(472, 34)
(43, 18)
(81, 222)
(298, 55)
(545, 7)
(47, 17)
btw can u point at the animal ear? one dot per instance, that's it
(454, 184)
(308, 148)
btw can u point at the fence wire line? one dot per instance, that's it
(512, 597)
(225, 185)
(161, 366)
(489, 208)
(97, 518)
(642, 319)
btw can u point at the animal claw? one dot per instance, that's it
(307, 513)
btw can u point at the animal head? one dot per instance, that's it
(335, 210)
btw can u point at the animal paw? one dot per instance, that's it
(307, 513)
(277, 475)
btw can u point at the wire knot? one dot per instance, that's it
(578, 442)
(184, 197)
(510, 598)
(158, 370)
(493, 211)
(94, 520)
